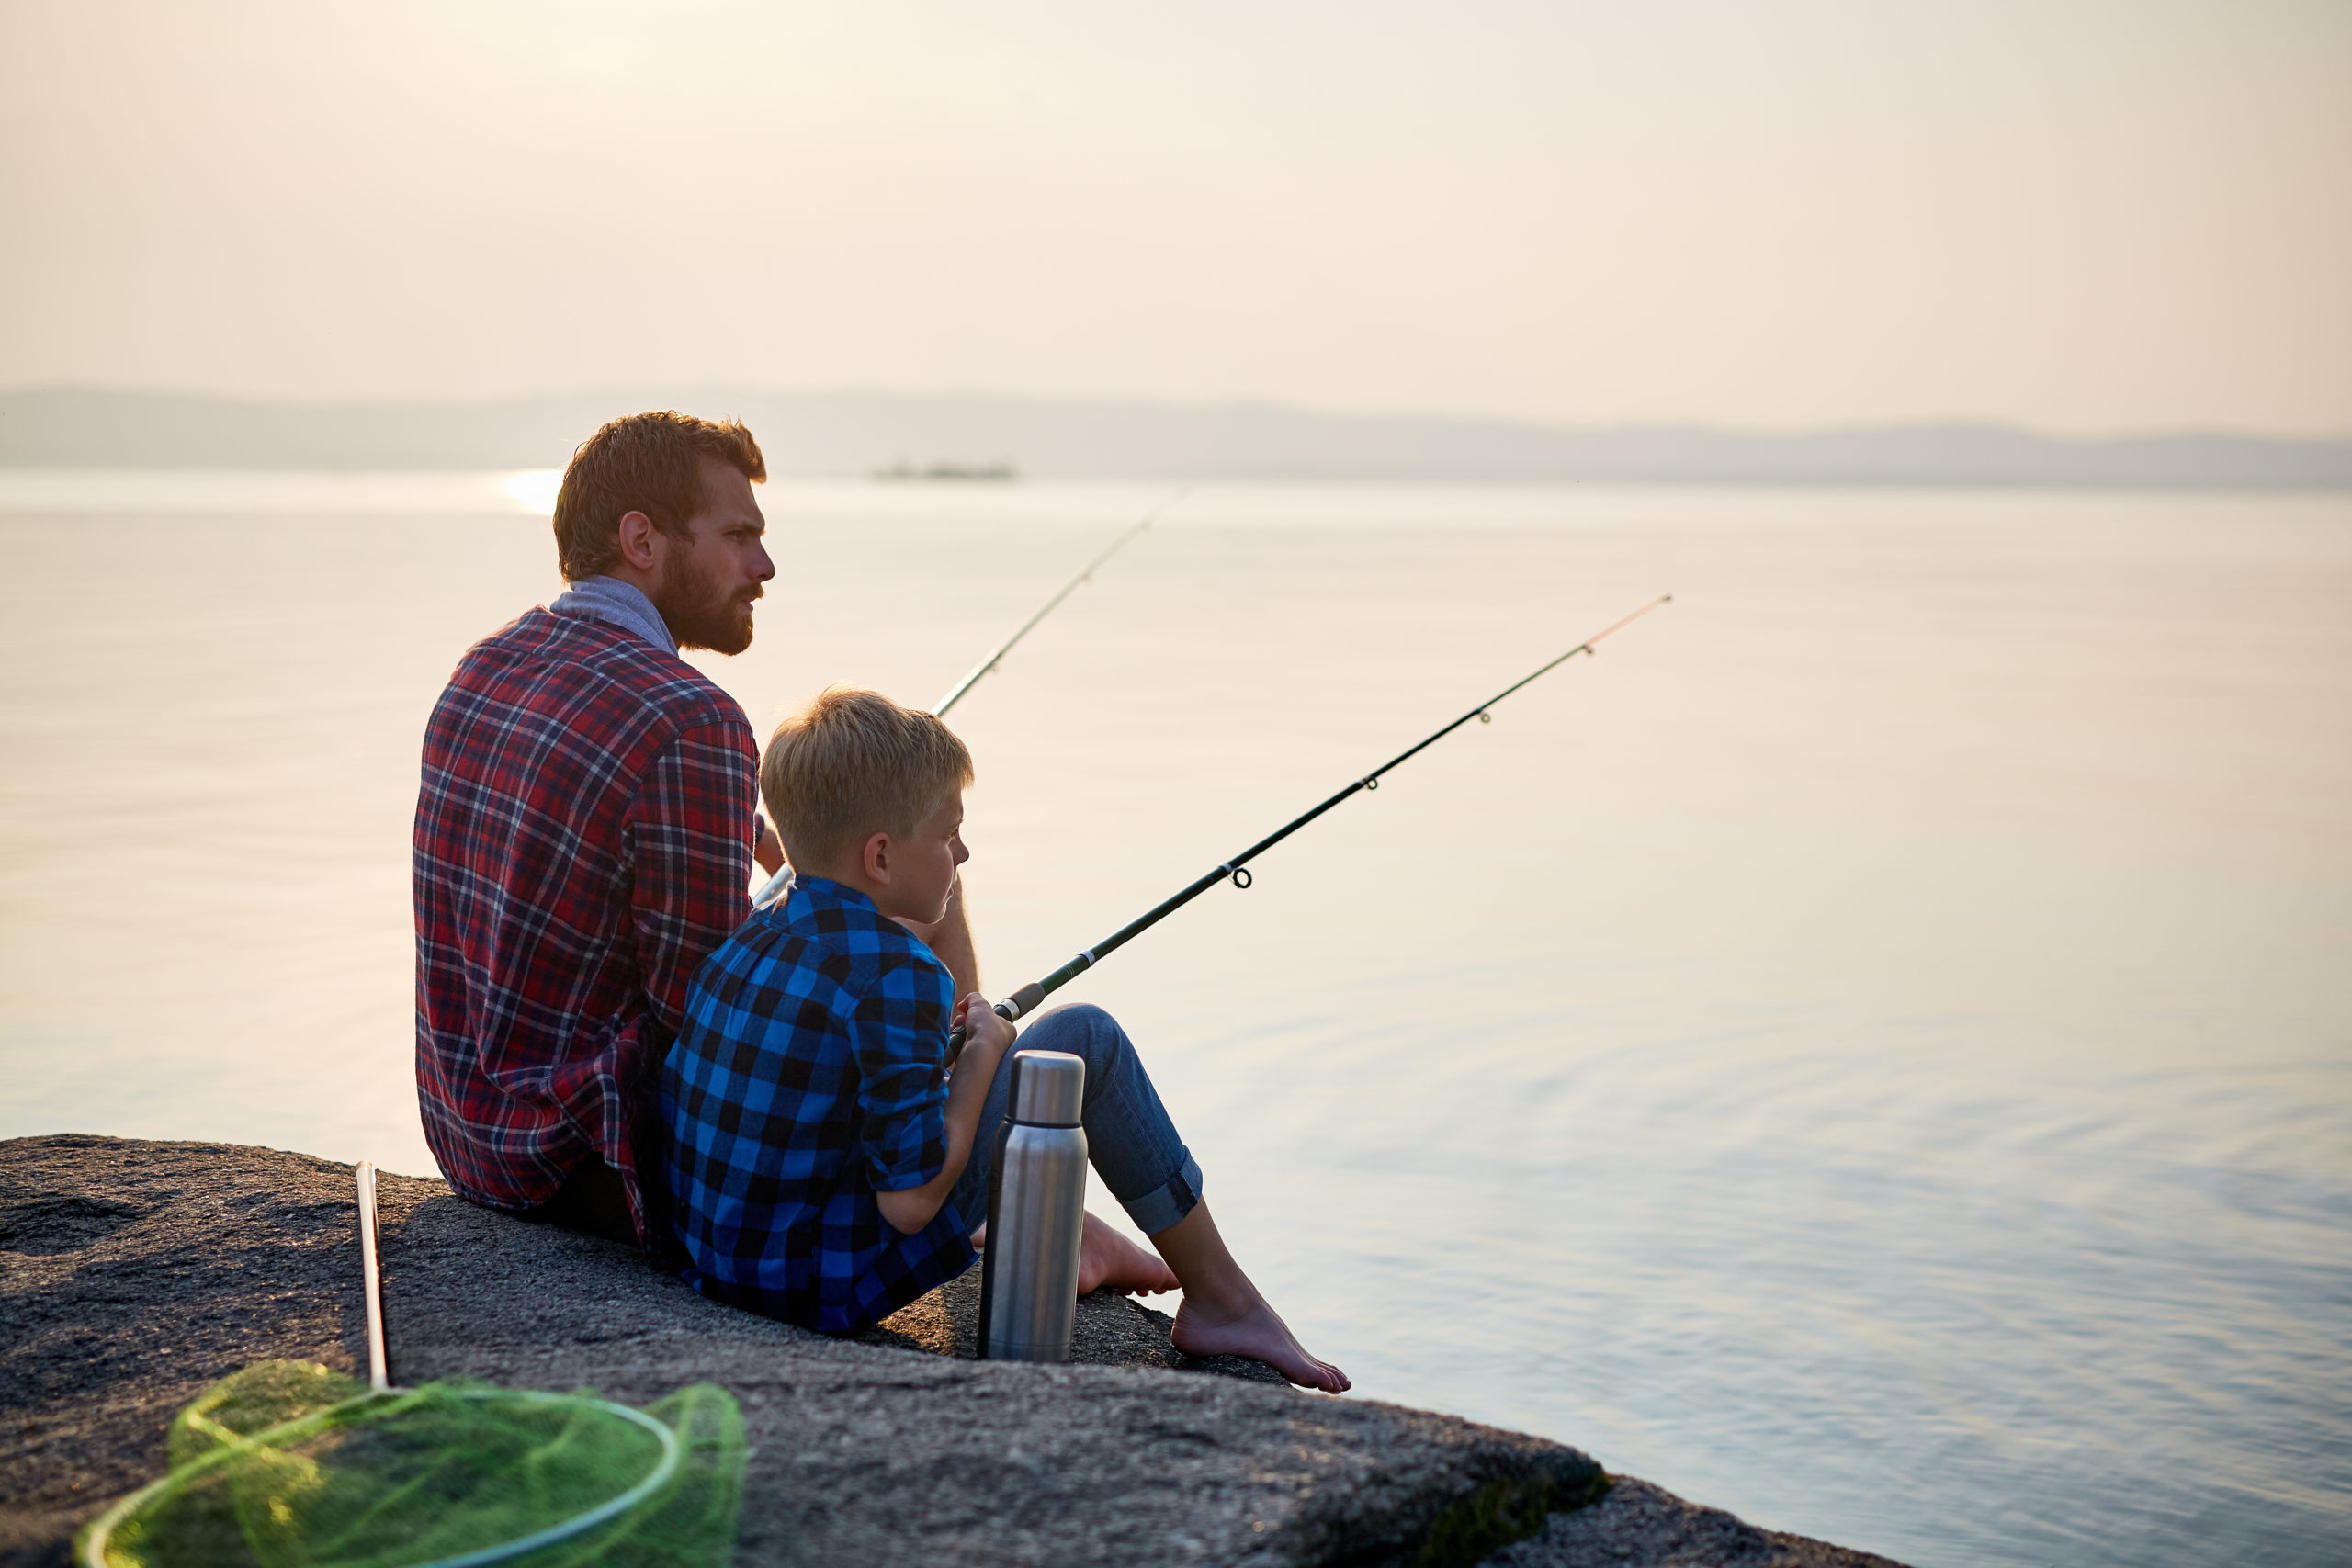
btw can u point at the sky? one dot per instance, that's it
(2084, 216)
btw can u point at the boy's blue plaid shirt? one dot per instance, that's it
(811, 1074)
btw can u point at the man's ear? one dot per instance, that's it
(640, 542)
(876, 857)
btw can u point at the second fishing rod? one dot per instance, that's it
(776, 885)
(1028, 999)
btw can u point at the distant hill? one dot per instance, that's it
(859, 433)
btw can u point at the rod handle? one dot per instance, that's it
(1019, 1005)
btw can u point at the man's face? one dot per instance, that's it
(709, 578)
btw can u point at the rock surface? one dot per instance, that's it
(134, 1274)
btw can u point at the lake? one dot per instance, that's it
(1870, 1049)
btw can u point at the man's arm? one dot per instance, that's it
(950, 937)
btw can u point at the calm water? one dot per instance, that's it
(1872, 1050)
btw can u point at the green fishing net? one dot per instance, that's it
(289, 1465)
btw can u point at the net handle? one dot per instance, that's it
(94, 1550)
(379, 1369)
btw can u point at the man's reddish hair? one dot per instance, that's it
(646, 462)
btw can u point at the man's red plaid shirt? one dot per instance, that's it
(583, 840)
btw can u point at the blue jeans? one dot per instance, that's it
(1132, 1144)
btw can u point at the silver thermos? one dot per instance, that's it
(1036, 1212)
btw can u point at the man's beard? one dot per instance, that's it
(699, 612)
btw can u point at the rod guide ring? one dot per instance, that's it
(1241, 877)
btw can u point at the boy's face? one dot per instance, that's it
(923, 866)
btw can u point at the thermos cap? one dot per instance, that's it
(1048, 1088)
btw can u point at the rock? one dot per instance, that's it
(1641, 1525)
(134, 1274)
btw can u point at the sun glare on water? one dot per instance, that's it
(533, 490)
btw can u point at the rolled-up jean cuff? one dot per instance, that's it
(1170, 1202)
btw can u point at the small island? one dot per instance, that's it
(903, 472)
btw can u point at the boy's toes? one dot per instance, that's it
(1309, 1372)
(1262, 1336)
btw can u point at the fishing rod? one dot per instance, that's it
(772, 889)
(1026, 999)
(972, 677)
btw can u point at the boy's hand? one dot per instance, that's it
(984, 1033)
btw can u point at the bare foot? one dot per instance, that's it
(1106, 1258)
(1260, 1335)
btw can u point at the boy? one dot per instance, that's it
(827, 1169)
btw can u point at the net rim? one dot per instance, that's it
(95, 1548)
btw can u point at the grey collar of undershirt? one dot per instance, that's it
(618, 603)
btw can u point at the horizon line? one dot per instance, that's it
(1262, 404)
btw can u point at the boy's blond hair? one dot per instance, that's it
(854, 762)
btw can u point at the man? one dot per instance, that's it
(585, 833)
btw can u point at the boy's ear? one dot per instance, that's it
(874, 857)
